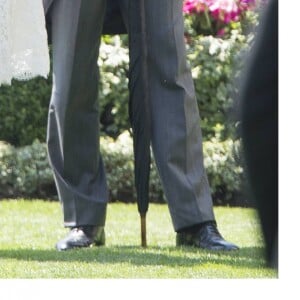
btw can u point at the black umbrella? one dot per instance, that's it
(139, 107)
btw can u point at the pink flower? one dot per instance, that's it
(221, 32)
(225, 10)
(246, 4)
(195, 6)
(221, 12)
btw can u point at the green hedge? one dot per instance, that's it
(24, 105)
(24, 110)
(215, 64)
(24, 172)
(113, 92)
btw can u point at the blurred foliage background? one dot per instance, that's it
(216, 53)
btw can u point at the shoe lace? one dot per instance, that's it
(77, 230)
(212, 230)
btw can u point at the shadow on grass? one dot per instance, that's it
(249, 257)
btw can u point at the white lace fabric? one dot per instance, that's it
(23, 40)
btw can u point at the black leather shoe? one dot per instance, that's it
(83, 236)
(206, 237)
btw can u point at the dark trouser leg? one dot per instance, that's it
(73, 124)
(176, 133)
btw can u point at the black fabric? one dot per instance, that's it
(139, 111)
(113, 21)
(259, 116)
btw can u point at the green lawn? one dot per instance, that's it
(30, 229)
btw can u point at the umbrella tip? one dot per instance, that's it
(143, 231)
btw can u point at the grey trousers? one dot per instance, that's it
(73, 125)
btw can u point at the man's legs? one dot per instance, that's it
(73, 124)
(176, 134)
(175, 122)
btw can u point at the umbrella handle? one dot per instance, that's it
(143, 230)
